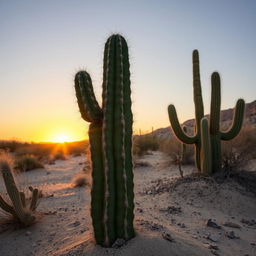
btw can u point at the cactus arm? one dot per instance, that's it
(177, 128)
(34, 199)
(128, 143)
(215, 104)
(97, 192)
(6, 207)
(88, 105)
(237, 122)
(198, 99)
(107, 139)
(206, 157)
(12, 190)
(23, 199)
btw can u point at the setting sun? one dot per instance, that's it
(60, 138)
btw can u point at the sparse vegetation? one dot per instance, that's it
(144, 143)
(43, 150)
(173, 148)
(27, 163)
(238, 152)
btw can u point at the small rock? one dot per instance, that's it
(213, 238)
(28, 233)
(212, 224)
(214, 252)
(214, 247)
(253, 244)
(182, 225)
(75, 224)
(231, 235)
(140, 210)
(118, 243)
(167, 236)
(231, 225)
(248, 222)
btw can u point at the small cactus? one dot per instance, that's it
(19, 208)
(214, 131)
(110, 136)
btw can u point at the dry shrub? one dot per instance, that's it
(59, 156)
(80, 180)
(173, 148)
(37, 149)
(144, 143)
(26, 163)
(43, 150)
(11, 145)
(237, 152)
(77, 148)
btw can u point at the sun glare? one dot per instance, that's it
(61, 138)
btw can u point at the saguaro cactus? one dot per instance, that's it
(199, 114)
(19, 207)
(215, 134)
(110, 136)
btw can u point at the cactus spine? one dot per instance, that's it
(214, 130)
(18, 208)
(110, 136)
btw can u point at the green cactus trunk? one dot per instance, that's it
(214, 130)
(206, 157)
(110, 137)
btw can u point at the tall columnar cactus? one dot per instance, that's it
(199, 114)
(19, 208)
(215, 134)
(110, 136)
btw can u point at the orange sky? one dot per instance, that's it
(44, 43)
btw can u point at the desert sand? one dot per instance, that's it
(170, 214)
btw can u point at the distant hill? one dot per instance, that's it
(226, 120)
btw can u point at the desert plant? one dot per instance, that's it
(26, 163)
(20, 208)
(177, 151)
(59, 156)
(110, 136)
(238, 152)
(80, 180)
(144, 143)
(215, 134)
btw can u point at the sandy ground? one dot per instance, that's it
(164, 208)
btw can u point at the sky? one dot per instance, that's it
(44, 43)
